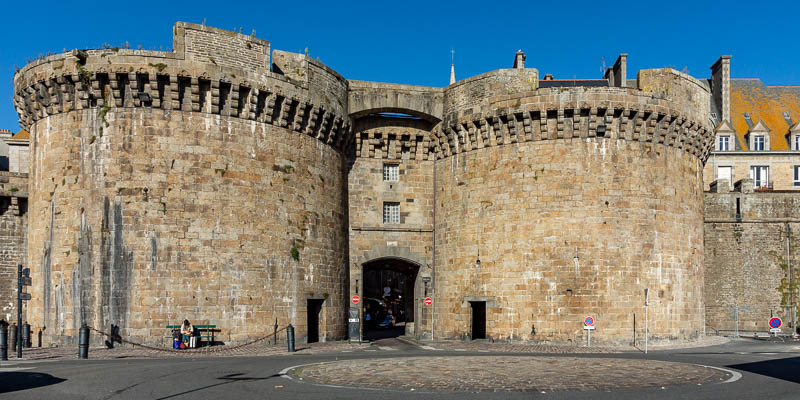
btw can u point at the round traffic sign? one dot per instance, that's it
(775, 322)
(589, 321)
(356, 299)
(428, 301)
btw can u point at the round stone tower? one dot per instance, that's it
(196, 184)
(555, 201)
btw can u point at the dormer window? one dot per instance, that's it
(796, 143)
(758, 143)
(724, 143)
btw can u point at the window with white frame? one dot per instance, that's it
(391, 213)
(760, 175)
(796, 169)
(391, 172)
(758, 143)
(724, 143)
(796, 144)
(725, 172)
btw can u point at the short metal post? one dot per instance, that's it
(290, 337)
(83, 342)
(3, 341)
(26, 335)
(275, 334)
(39, 344)
(12, 337)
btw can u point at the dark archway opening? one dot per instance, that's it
(313, 309)
(478, 319)
(388, 297)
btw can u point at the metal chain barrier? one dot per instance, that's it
(202, 350)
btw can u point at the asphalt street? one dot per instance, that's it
(758, 370)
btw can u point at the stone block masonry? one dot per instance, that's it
(13, 229)
(747, 271)
(168, 186)
(234, 185)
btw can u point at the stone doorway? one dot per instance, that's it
(389, 301)
(478, 319)
(314, 306)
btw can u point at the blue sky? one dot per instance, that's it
(410, 42)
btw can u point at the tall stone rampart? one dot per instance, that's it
(574, 200)
(195, 184)
(749, 256)
(13, 233)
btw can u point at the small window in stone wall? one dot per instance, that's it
(758, 143)
(391, 172)
(724, 143)
(796, 174)
(391, 213)
(796, 144)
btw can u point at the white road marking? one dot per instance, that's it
(386, 348)
(14, 369)
(427, 347)
(735, 376)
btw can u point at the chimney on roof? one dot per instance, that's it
(617, 74)
(519, 60)
(721, 86)
(549, 77)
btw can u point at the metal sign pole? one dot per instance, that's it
(646, 304)
(589, 339)
(19, 310)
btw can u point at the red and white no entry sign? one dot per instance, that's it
(428, 301)
(356, 299)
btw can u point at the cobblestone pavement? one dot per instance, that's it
(507, 374)
(485, 346)
(127, 351)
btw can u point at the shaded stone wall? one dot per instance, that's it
(746, 258)
(13, 237)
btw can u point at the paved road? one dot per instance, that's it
(768, 370)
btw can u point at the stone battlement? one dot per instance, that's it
(565, 113)
(210, 71)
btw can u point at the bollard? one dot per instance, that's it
(39, 344)
(12, 337)
(83, 343)
(3, 342)
(290, 337)
(26, 335)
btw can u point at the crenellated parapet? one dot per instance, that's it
(194, 78)
(576, 112)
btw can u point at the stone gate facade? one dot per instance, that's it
(230, 184)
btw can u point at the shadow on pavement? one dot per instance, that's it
(230, 378)
(14, 381)
(783, 368)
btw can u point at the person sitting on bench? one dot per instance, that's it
(187, 334)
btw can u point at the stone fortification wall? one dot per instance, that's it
(182, 185)
(401, 142)
(575, 200)
(477, 95)
(746, 268)
(13, 229)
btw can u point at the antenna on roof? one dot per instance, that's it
(603, 65)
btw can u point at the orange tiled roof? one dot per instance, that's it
(764, 103)
(23, 134)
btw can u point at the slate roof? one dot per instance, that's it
(767, 104)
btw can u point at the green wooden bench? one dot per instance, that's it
(206, 332)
